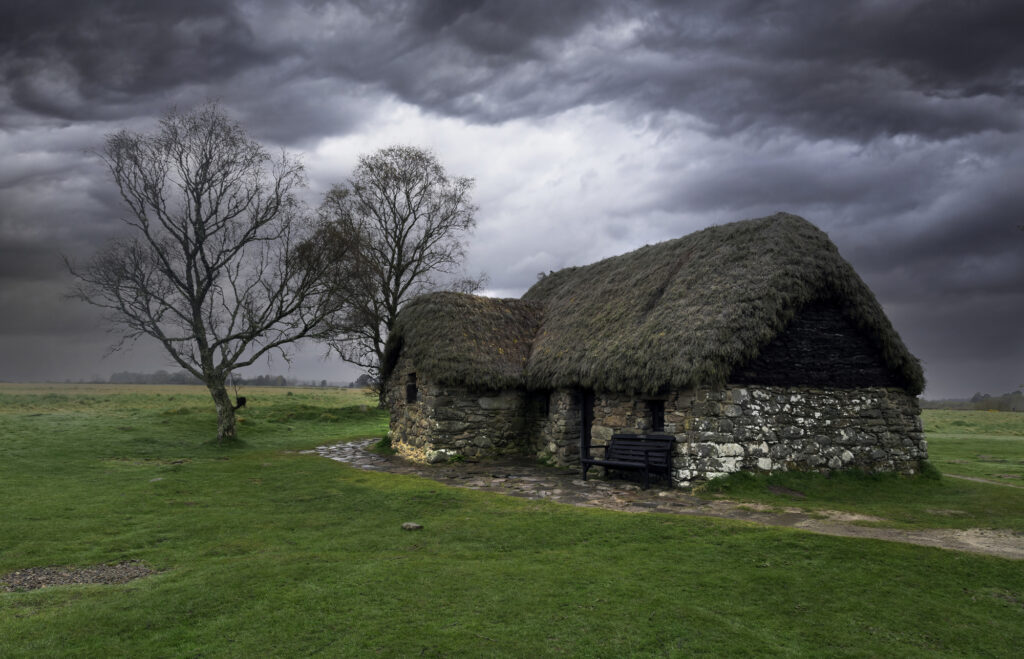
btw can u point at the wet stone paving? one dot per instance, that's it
(523, 477)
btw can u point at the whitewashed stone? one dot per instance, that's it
(730, 450)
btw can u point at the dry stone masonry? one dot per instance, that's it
(736, 428)
(746, 428)
(445, 422)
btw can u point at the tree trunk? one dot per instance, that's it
(225, 411)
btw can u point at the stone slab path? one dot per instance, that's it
(522, 477)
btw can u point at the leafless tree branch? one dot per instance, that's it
(410, 220)
(219, 267)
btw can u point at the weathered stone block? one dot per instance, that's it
(733, 411)
(730, 450)
(506, 400)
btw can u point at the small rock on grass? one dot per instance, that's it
(412, 526)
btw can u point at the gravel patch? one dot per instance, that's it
(63, 575)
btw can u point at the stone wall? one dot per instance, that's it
(753, 428)
(447, 421)
(619, 413)
(558, 433)
(777, 428)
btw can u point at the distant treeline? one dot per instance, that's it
(184, 377)
(1011, 402)
(160, 377)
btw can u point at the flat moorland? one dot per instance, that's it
(261, 550)
(985, 445)
(980, 444)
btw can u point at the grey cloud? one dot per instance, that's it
(22, 260)
(502, 28)
(852, 71)
(75, 60)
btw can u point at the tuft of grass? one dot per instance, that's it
(929, 470)
(383, 446)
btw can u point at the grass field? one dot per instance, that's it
(986, 445)
(265, 551)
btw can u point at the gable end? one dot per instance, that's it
(821, 347)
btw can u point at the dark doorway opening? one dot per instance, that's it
(586, 419)
(411, 392)
(656, 409)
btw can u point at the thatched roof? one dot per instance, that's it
(677, 314)
(477, 341)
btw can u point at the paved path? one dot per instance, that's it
(523, 477)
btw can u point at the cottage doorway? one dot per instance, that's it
(586, 419)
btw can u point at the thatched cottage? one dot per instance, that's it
(754, 343)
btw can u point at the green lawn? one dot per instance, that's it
(265, 551)
(979, 444)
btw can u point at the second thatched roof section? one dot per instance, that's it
(469, 340)
(677, 314)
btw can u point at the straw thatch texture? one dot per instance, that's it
(468, 340)
(677, 314)
(688, 311)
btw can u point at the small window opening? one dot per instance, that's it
(656, 408)
(545, 404)
(410, 389)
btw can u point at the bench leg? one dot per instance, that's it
(585, 468)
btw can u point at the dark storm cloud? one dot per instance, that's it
(844, 69)
(22, 260)
(895, 126)
(853, 70)
(84, 60)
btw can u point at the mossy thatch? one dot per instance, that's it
(479, 342)
(681, 313)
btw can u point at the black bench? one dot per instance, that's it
(648, 454)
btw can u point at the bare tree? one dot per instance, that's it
(218, 267)
(410, 220)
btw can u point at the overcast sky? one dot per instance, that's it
(591, 128)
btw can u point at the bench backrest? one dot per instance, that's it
(658, 450)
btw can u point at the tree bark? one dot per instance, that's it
(225, 412)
